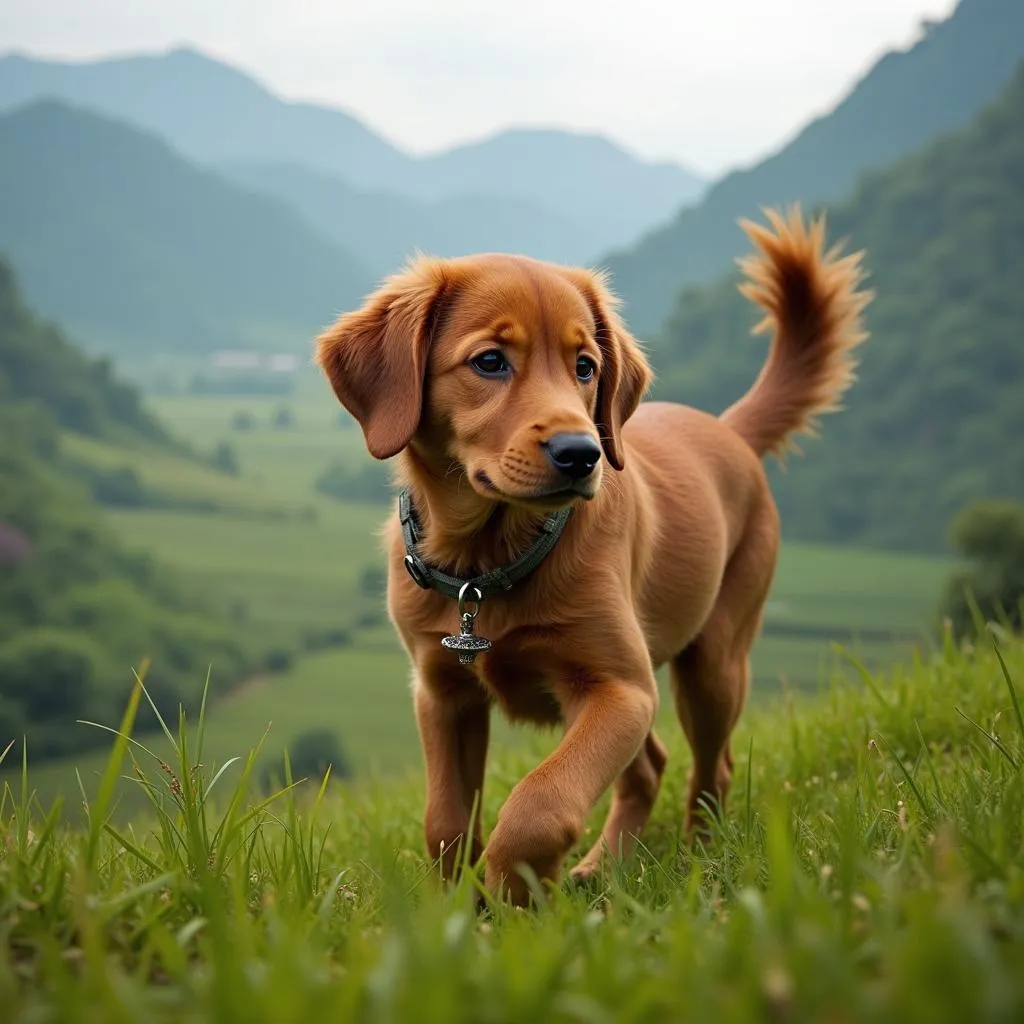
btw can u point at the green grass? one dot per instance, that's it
(870, 867)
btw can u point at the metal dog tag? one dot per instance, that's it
(467, 643)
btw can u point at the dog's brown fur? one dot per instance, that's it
(669, 561)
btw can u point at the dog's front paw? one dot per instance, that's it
(534, 830)
(588, 870)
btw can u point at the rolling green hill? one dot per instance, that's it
(907, 100)
(216, 114)
(136, 250)
(77, 609)
(937, 416)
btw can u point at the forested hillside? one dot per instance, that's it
(78, 611)
(937, 416)
(137, 251)
(37, 363)
(907, 100)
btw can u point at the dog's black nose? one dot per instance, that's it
(575, 455)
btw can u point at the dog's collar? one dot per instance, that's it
(488, 584)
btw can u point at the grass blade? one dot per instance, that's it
(991, 737)
(108, 783)
(1009, 685)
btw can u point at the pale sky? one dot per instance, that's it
(714, 84)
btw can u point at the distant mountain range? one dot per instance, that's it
(134, 249)
(906, 100)
(593, 192)
(387, 226)
(283, 213)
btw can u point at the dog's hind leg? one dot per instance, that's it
(710, 677)
(633, 798)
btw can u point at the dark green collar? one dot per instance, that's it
(496, 581)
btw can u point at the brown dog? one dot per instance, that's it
(499, 381)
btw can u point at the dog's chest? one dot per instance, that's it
(519, 677)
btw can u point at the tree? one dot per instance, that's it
(368, 481)
(225, 459)
(49, 673)
(991, 536)
(311, 753)
(242, 421)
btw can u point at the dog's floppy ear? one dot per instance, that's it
(625, 373)
(376, 356)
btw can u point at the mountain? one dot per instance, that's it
(77, 610)
(135, 249)
(208, 111)
(583, 177)
(385, 228)
(906, 100)
(935, 419)
(216, 114)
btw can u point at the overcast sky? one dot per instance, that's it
(712, 84)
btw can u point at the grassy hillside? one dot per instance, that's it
(906, 100)
(386, 229)
(78, 609)
(136, 250)
(932, 422)
(216, 114)
(301, 570)
(868, 869)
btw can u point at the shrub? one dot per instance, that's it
(278, 659)
(317, 640)
(225, 459)
(242, 421)
(371, 618)
(369, 482)
(284, 418)
(50, 673)
(373, 582)
(991, 536)
(119, 487)
(310, 754)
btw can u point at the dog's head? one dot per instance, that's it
(520, 371)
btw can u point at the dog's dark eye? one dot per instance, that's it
(585, 368)
(491, 363)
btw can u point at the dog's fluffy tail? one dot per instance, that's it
(813, 305)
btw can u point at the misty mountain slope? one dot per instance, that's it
(935, 417)
(384, 229)
(207, 110)
(136, 250)
(584, 177)
(906, 100)
(218, 115)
